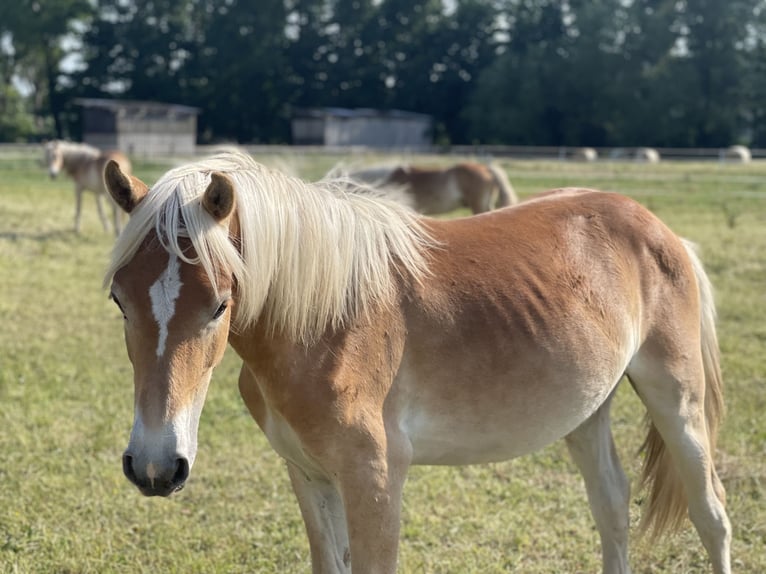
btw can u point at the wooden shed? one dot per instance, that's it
(361, 127)
(140, 129)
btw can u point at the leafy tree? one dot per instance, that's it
(36, 30)
(710, 65)
(646, 93)
(755, 96)
(226, 58)
(519, 97)
(349, 56)
(137, 47)
(582, 72)
(391, 54)
(606, 72)
(451, 59)
(242, 71)
(16, 120)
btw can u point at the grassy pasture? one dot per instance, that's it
(66, 411)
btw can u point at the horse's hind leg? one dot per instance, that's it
(117, 217)
(101, 214)
(323, 514)
(671, 382)
(479, 198)
(593, 451)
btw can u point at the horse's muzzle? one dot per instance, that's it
(163, 482)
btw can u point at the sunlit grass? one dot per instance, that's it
(66, 411)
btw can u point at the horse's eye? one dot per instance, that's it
(221, 309)
(117, 302)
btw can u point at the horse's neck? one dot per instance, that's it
(262, 351)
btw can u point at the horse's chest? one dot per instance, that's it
(282, 437)
(285, 441)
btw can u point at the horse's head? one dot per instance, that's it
(54, 159)
(176, 323)
(400, 175)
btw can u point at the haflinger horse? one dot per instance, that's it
(85, 165)
(373, 339)
(431, 191)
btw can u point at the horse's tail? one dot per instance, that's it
(506, 194)
(714, 404)
(667, 504)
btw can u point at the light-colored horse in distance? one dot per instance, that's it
(432, 190)
(85, 165)
(373, 339)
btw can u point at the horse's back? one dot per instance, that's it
(119, 157)
(605, 238)
(567, 221)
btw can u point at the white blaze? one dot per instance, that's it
(163, 295)
(156, 447)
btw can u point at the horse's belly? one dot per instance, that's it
(94, 181)
(440, 199)
(471, 429)
(438, 440)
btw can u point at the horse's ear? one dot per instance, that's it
(218, 199)
(126, 190)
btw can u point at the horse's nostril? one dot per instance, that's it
(182, 472)
(127, 468)
(157, 481)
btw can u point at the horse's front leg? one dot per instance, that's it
(77, 207)
(371, 482)
(323, 514)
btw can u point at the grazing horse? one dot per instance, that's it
(373, 339)
(85, 165)
(432, 190)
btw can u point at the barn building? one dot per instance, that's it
(361, 127)
(140, 129)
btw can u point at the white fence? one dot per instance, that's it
(560, 153)
(501, 151)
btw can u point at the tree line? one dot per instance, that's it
(669, 73)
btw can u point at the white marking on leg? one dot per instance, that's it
(163, 295)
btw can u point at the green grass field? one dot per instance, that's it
(66, 407)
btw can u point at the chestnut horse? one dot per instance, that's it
(374, 339)
(439, 190)
(85, 165)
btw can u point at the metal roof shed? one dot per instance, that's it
(361, 127)
(139, 128)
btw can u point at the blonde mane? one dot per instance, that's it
(311, 255)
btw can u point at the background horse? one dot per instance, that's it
(373, 339)
(85, 165)
(440, 190)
